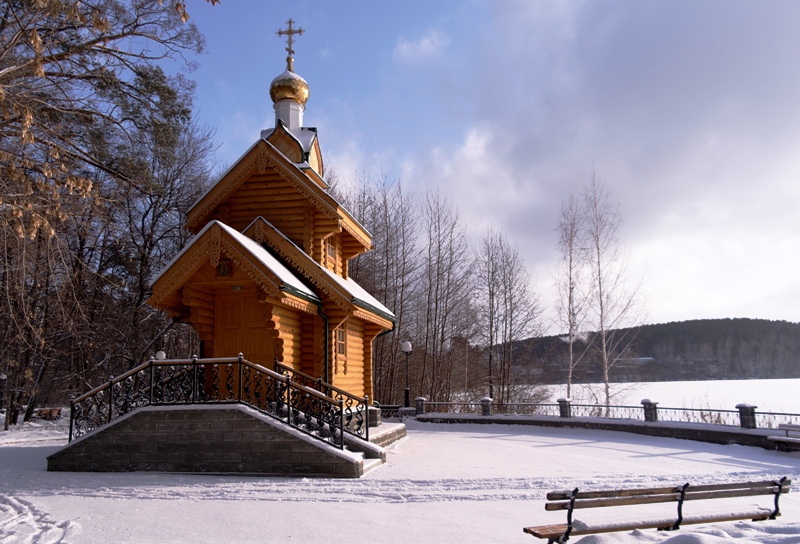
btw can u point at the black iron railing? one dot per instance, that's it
(227, 380)
(356, 409)
(744, 416)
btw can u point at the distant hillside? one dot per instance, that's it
(705, 349)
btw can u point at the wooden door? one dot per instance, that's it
(241, 326)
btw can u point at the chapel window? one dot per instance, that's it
(330, 253)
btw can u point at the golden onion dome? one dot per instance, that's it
(289, 86)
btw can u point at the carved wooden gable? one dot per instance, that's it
(220, 259)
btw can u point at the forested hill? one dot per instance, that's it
(687, 350)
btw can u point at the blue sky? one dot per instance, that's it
(688, 110)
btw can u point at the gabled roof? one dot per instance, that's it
(301, 146)
(264, 268)
(261, 157)
(322, 278)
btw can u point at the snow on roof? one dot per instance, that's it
(304, 135)
(257, 251)
(357, 293)
(267, 259)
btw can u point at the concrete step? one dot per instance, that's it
(371, 464)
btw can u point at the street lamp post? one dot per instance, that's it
(405, 347)
(3, 379)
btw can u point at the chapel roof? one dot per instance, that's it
(260, 259)
(316, 274)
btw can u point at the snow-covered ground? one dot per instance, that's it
(442, 483)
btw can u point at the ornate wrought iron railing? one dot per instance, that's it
(227, 380)
(356, 409)
(611, 412)
(771, 420)
(699, 415)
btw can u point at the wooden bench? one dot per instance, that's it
(791, 440)
(575, 499)
(48, 414)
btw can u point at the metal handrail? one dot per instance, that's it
(260, 388)
(356, 408)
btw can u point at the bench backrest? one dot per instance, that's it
(562, 500)
(790, 430)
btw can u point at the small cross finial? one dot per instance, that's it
(290, 32)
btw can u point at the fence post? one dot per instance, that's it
(650, 410)
(71, 415)
(194, 379)
(241, 375)
(486, 406)
(747, 415)
(420, 404)
(110, 397)
(289, 402)
(564, 407)
(152, 380)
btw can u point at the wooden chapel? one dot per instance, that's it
(266, 273)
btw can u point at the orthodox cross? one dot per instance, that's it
(291, 31)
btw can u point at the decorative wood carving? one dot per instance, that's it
(258, 234)
(262, 161)
(177, 276)
(213, 245)
(345, 226)
(251, 271)
(298, 259)
(372, 318)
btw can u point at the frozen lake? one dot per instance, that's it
(768, 395)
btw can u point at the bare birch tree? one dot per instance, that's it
(390, 271)
(570, 277)
(509, 310)
(614, 302)
(445, 310)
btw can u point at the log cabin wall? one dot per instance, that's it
(349, 366)
(312, 345)
(201, 315)
(289, 327)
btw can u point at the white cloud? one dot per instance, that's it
(422, 48)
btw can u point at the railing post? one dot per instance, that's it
(71, 415)
(152, 381)
(420, 405)
(289, 402)
(564, 407)
(366, 416)
(194, 379)
(240, 376)
(486, 406)
(650, 410)
(341, 424)
(110, 397)
(747, 415)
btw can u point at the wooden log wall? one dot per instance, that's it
(350, 376)
(289, 328)
(201, 315)
(311, 345)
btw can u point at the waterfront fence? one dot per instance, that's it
(745, 415)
